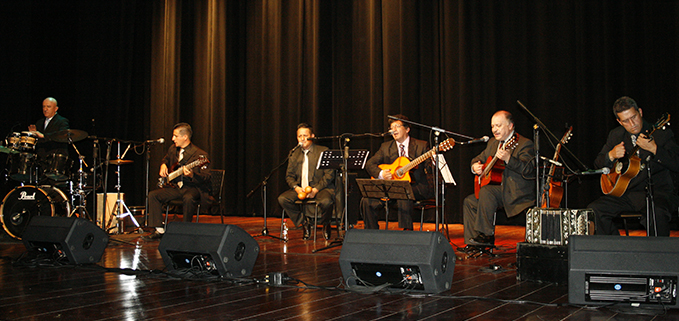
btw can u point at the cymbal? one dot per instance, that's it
(120, 161)
(6, 150)
(76, 135)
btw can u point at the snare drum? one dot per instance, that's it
(23, 167)
(57, 167)
(14, 141)
(25, 202)
(27, 141)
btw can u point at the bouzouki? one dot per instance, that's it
(492, 170)
(178, 171)
(626, 168)
(400, 168)
(555, 188)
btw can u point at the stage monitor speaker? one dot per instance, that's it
(78, 240)
(638, 271)
(406, 260)
(218, 249)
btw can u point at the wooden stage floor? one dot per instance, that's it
(127, 284)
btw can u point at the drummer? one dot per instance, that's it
(51, 124)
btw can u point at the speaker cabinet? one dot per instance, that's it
(79, 240)
(224, 250)
(406, 260)
(606, 269)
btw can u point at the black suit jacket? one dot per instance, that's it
(665, 160)
(518, 193)
(388, 153)
(318, 178)
(47, 146)
(201, 177)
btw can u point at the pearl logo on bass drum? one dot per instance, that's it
(23, 196)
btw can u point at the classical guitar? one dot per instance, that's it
(492, 170)
(178, 171)
(400, 168)
(626, 168)
(555, 188)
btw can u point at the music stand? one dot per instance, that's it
(343, 160)
(385, 189)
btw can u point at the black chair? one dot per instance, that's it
(207, 202)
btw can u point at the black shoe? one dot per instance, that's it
(483, 240)
(327, 231)
(152, 236)
(307, 230)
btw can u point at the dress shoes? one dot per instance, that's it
(152, 236)
(307, 230)
(327, 231)
(482, 240)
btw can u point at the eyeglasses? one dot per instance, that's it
(395, 127)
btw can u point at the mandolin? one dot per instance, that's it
(400, 168)
(169, 180)
(626, 168)
(492, 170)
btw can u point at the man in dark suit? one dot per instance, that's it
(43, 128)
(188, 186)
(299, 176)
(515, 193)
(660, 152)
(402, 146)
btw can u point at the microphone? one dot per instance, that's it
(483, 139)
(603, 170)
(295, 148)
(552, 161)
(156, 141)
(391, 132)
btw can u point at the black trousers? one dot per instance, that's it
(190, 197)
(609, 207)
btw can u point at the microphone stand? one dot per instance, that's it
(263, 184)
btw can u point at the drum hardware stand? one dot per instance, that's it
(120, 204)
(81, 207)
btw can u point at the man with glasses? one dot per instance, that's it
(660, 152)
(402, 146)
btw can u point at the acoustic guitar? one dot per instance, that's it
(555, 188)
(400, 168)
(492, 170)
(177, 171)
(626, 168)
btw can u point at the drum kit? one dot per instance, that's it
(42, 179)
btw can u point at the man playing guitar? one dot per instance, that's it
(188, 186)
(406, 146)
(513, 154)
(659, 151)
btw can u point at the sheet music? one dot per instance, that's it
(445, 171)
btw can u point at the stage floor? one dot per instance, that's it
(141, 291)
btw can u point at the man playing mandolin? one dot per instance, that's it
(628, 152)
(189, 163)
(402, 146)
(501, 171)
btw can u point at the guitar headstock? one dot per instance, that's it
(511, 143)
(446, 145)
(567, 136)
(662, 121)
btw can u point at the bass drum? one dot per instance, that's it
(25, 202)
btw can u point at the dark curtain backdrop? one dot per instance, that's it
(245, 73)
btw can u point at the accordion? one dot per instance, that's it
(553, 226)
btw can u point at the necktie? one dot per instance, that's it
(403, 150)
(305, 170)
(47, 121)
(181, 156)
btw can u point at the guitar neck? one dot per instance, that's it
(180, 171)
(419, 160)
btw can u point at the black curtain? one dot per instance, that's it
(244, 73)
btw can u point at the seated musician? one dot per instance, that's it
(659, 151)
(515, 192)
(44, 127)
(192, 181)
(402, 146)
(320, 181)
